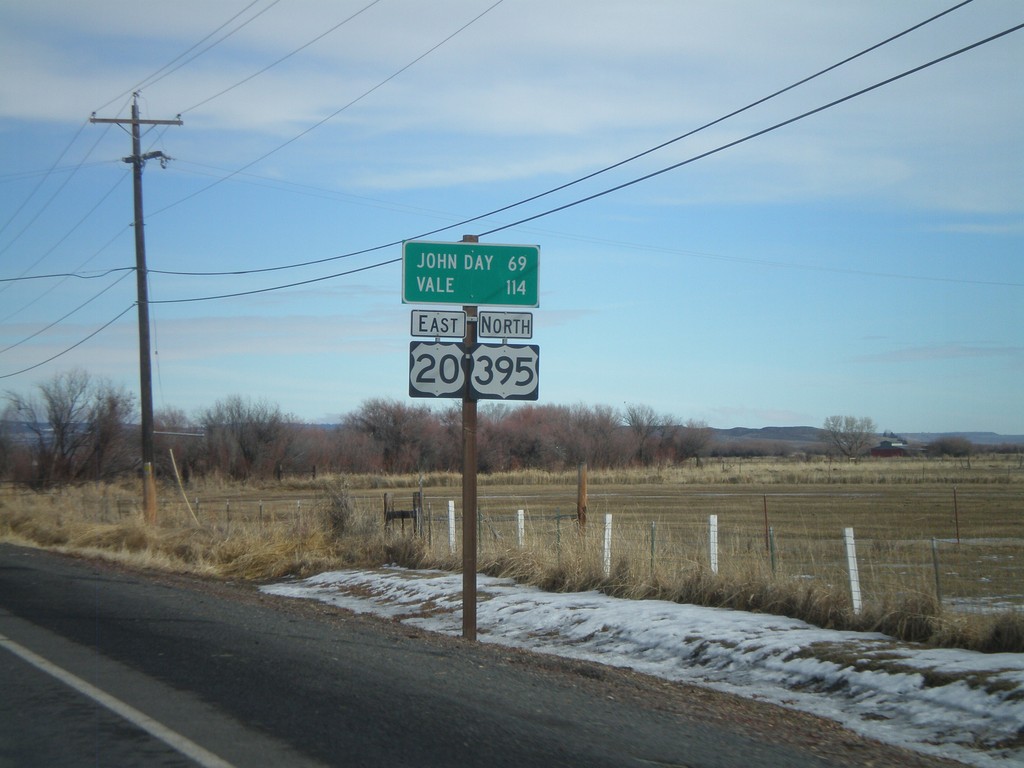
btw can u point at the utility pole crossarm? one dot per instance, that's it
(133, 121)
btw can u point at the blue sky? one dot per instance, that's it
(866, 260)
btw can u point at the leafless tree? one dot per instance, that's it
(246, 438)
(112, 446)
(850, 436)
(690, 440)
(80, 426)
(175, 431)
(354, 450)
(406, 435)
(644, 423)
(607, 442)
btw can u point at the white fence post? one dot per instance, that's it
(851, 561)
(451, 526)
(520, 527)
(607, 545)
(713, 542)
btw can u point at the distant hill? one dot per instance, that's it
(768, 439)
(765, 439)
(978, 438)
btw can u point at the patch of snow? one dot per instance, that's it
(956, 704)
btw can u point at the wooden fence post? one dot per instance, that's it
(581, 496)
(654, 529)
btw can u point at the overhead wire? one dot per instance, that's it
(624, 185)
(282, 59)
(300, 135)
(66, 276)
(756, 134)
(52, 197)
(95, 254)
(605, 169)
(153, 78)
(160, 74)
(585, 199)
(79, 275)
(77, 344)
(50, 201)
(334, 114)
(20, 175)
(64, 317)
(45, 176)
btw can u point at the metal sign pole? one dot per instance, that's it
(469, 468)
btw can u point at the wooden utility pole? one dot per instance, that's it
(138, 160)
(469, 496)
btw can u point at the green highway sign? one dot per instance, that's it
(470, 274)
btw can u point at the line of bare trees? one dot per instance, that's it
(75, 427)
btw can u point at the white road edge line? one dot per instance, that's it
(173, 739)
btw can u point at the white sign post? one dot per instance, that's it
(851, 562)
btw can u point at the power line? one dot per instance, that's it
(756, 134)
(334, 114)
(157, 76)
(592, 197)
(20, 175)
(65, 317)
(67, 234)
(724, 117)
(64, 276)
(50, 200)
(79, 275)
(52, 197)
(283, 58)
(281, 287)
(97, 253)
(600, 171)
(618, 187)
(103, 327)
(46, 175)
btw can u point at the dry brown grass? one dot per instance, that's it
(298, 528)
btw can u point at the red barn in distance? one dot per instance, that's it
(892, 446)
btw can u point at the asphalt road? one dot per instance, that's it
(105, 667)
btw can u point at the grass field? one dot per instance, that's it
(939, 544)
